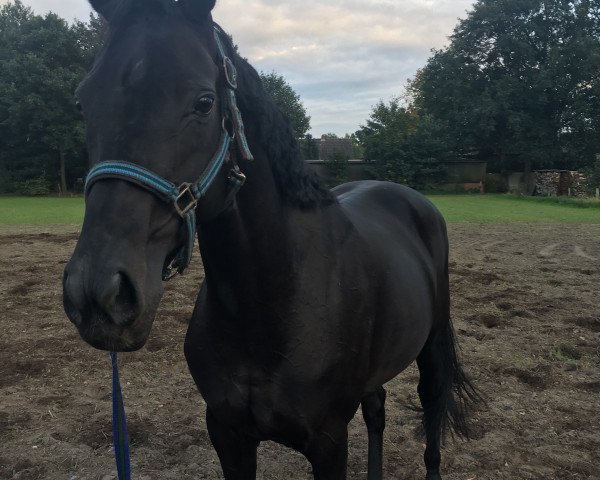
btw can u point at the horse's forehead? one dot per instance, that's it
(141, 56)
(163, 43)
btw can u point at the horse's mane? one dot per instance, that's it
(297, 184)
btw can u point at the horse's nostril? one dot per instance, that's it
(126, 306)
(71, 301)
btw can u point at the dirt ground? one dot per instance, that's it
(525, 306)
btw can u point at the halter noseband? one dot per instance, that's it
(185, 197)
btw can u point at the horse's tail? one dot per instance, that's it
(461, 395)
(445, 391)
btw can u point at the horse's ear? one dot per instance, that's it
(106, 8)
(197, 10)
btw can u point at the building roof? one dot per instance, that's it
(329, 146)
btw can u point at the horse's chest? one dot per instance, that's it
(271, 381)
(244, 395)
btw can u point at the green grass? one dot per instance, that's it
(15, 211)
(508, 209)
(41, 211)
(567, 201)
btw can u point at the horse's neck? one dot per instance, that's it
(247, 250)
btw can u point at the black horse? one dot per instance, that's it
(313, 299)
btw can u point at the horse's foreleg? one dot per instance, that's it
(373, 409)
(236, 451)
(328, 451)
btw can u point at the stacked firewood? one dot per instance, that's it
(578, 186)
(550, 183)
(547, 184)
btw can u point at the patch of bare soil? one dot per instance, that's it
(526, 311)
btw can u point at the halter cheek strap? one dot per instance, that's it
(186, 196)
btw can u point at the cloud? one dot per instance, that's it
(341, 56)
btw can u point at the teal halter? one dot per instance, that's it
(186, 196)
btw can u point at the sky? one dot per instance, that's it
(341, 56)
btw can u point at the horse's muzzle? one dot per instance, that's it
(107, 309)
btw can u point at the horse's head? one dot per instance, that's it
(154, 99)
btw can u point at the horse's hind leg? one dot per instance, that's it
(236, 452)
(431, 393)
(373, 409)
(445, 393)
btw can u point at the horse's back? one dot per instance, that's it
(408, 247)
(395, 211)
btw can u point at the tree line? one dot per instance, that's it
(518, 86)
(42, 60)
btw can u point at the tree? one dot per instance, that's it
(41, 133)
(336, 165)
(329, 135)
(309, 147)
(288, 101)
(404, 146)
(592, 175)
(358, 151)
(519, 84)
(90, 36)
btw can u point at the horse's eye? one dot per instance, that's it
(204, 105)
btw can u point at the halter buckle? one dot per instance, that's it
(186, 200)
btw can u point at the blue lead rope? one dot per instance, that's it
(120, 435)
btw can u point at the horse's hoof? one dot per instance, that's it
(433, 476)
